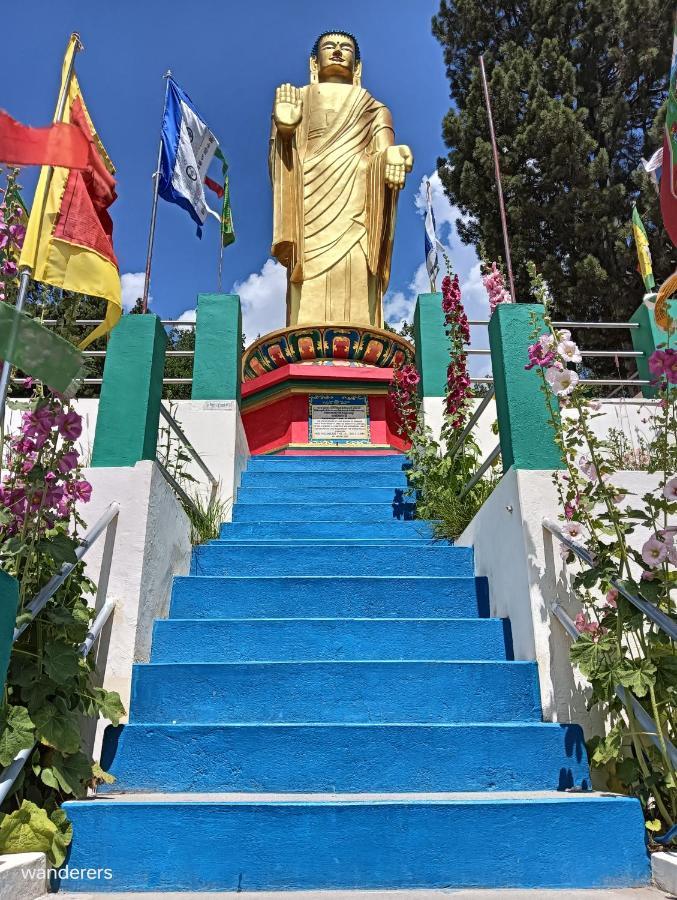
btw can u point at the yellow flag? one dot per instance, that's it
(69, 239)
(643, 251)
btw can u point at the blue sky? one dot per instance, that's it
(229, 57)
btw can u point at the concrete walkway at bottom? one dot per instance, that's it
(612, 894)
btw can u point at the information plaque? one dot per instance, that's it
(337, 419)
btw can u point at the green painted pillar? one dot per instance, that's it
(432, 345)
(9, 605)
(217, 367)
(647, 338)
(527, 438)
(129, 407)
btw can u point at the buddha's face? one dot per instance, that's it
(336, 58)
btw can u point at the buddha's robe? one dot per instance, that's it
(333, 215)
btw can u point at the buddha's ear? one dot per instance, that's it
(357, 74)
(314, 77)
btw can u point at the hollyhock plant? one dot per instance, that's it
(494, 283)
(664, 362)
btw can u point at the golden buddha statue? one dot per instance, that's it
(336, 173)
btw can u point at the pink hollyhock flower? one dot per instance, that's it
(18, 233)
(9, 267)
(664, 362)
(81, 490)
(586, 626)
(4, 239)
(670, 489)
(587, 467)
(574, 530)
(539, 355)
(562, 381)
(495, 287)
(612, 597)
(38, 424)
(654, 551)
(569, 351)
(68, 461)
(570, 509)
(70, 425)
(55, 491)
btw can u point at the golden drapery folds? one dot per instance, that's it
(333, 214)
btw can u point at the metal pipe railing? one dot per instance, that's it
(47, 592)
(182, 322)
(652, 612)
(472, 421)
(643, 718)
(9, 775)
(174, 425)
(489, 461)
(101, 353)
(629, 325)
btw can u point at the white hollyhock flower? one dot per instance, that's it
(569, 351)
(670, 489)
(564, 335)
(562, 381)
(572, 529)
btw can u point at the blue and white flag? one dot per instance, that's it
(188, 147)
(431, 261)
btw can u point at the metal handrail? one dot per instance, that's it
(9, 775)
(174, 425)
(630, 325)
(47, 592)
(489, 461)
(100, 322)
(100, 381)
(652, 612)
(453, 451)
(101, 353)
(645, 721)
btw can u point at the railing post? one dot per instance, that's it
(217, 365)
(647, 338)
(527, 437)
(9, 604)
(432, 345)
(129, 407)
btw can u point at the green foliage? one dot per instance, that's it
(51, 688)
(618, 646)
(578, 93)
(206, 516)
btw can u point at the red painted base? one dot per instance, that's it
(275, 409)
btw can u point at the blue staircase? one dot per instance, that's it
(329, 706)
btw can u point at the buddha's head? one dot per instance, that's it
(336, 57)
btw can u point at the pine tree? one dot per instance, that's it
(578, 93)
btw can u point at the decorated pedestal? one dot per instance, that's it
(322, 389)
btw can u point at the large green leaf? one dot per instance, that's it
(638, 675)
(69, 774)
(57, 726)
(28, 830)
(60, 547)
(61, 661)
(17, 732)
(110, 705)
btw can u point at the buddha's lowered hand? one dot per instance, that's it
(399, 160)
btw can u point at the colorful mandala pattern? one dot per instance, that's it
(317, 343)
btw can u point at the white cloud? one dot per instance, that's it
(132, 289)
(399, 305)
(263, 298)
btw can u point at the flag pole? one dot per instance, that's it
(497, 173)
(25, 274)
(153, 214)
(220, 270)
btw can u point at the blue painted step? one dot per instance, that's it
(299, 481)
(345, 597)
(366, 464)
(211, 844)
(369, 758)
(318, 496)
(431, 691)
(334, 530)
(255, 511)
(240, 640)
(328, 559)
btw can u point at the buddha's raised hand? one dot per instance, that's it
(288, 107)
(399, 161)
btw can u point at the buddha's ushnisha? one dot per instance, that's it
(336, 174)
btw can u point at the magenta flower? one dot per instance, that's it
(39, 423)
(664, 362)
(540, 354)
(586, 626)
(18, 233)
(654, 551)
(81, 490)
(4, 239)
(54, 492)
(9, 267)
(70, 425)
(68, 461)
(612, 598)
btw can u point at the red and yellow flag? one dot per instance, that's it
(69, 239)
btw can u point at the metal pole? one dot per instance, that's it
(220, 271)
(25, 275)
(497, 172)
(153, 214)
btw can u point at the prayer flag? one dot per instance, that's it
(69, 239)
(60, 144)
(643, 251)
